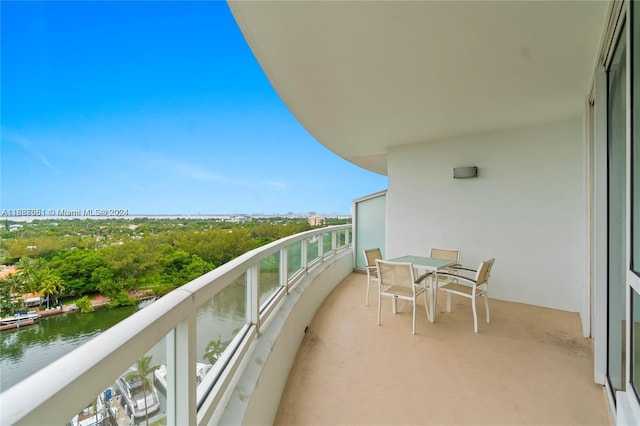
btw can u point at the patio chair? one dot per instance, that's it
(370, 257)
(396, 280)
(470, 287)
(448, 254)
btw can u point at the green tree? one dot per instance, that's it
(10, 289)
(105, 282)
(50, 285)
(84, 304)
(31, 272)
(214, 350)
(143, 370)
(180, 267)
(76, 267)
(122, 299)
(133, 261)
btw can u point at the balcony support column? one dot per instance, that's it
(181, 378)
(304, 255)
(253, 297)
(334, 241)
(284, 269)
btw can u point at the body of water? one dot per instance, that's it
(28, 349)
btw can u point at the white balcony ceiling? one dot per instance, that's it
(364, 76)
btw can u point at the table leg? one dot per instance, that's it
(434, 292)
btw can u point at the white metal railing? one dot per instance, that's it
(56, 393)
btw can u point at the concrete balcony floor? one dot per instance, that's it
(529, 366)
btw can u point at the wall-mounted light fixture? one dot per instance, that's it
(465, 172)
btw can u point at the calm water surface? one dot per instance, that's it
(27, 350)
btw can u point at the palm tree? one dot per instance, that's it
(26, 271)
(10, 289)
(31, 272)
(214, 350)
(143, 370)
(50, 285)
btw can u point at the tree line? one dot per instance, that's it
(72, 258)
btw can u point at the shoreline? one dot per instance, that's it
(98, 302)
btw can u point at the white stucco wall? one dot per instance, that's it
(526, 208)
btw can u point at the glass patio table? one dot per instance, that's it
(428, 264)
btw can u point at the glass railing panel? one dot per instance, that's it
(342, 238)
(269, 277)
(312, 249)
(137, 396)
(294, 259)
(218, 321)
(326, 243)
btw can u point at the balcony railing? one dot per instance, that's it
(226, 308)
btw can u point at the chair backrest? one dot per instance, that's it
(398, 274)
(371, 255)
(484, 271)
(448, 254)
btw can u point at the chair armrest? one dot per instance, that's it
(423, 276)
(459, 277)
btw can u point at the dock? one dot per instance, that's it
(16, 324)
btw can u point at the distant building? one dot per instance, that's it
(315, 220)
(239, 219)
(32, 299)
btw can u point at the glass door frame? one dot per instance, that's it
(633, 192)
(617, 212)
(624, 405)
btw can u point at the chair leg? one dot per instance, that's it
(414, 316)
(426, 305)
(448, 302)
(366, 297)
(434, 295)
(486, 306)
(379, 303)
(475, 315)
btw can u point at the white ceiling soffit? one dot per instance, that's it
(364, 76)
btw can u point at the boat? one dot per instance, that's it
(139, 403)
(161, 374)
(18, 319)
(93, 414)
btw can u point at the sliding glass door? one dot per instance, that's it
(617, 230)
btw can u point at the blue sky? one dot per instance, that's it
(153, 107)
